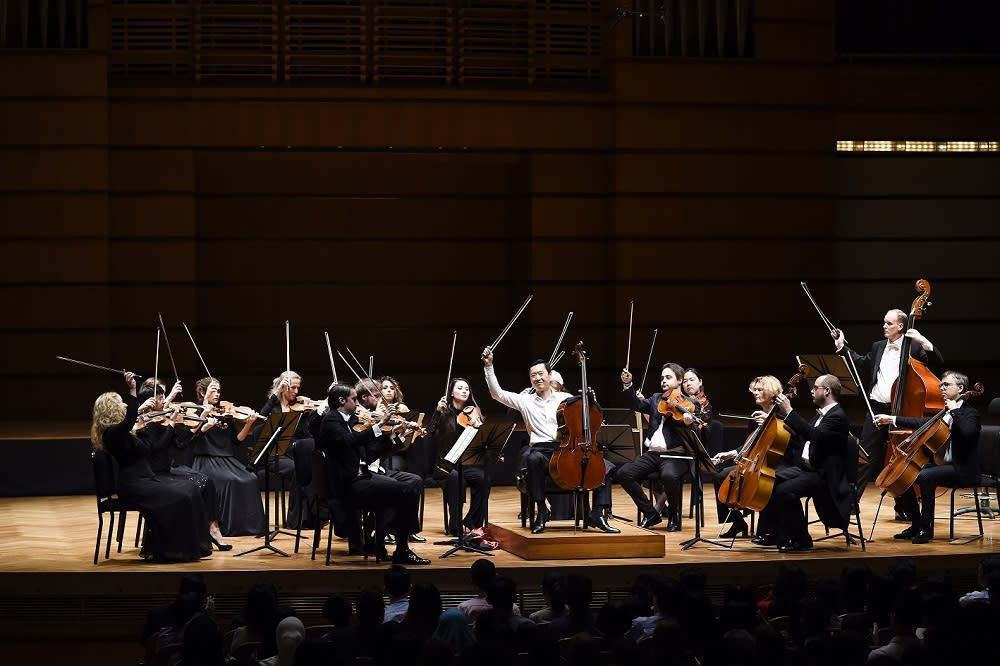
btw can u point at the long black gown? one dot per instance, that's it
(164, 442)
(176, 520)
(238, 504)
(282, 468)
(444, 431)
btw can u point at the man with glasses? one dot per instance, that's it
(954, 463)
(814, 466)
(880, 369)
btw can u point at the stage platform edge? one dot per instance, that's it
(559, 541)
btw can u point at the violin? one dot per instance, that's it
(470, 417)
(908, 457)
(368, 419)
(170, 413)
(750, 483)
(578, 463)
(303, 404)
(705, 409)
(676, 404)
(227, 410)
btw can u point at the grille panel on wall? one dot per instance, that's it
(367, 42)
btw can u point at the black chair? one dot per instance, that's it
(988, 452)
(851, 469)
(302, 457)
(106, 491)
(323, 494)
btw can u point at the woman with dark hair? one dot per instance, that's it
(176, 522)
(445, 430)
(239, 507)
(167, 437)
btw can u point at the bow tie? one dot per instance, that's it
(893, 345)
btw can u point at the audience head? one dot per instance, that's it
(501, 594)
(483, 572)
(397, 581)
(453, 630)
(370, 607)
(288, 636)
(337, 610)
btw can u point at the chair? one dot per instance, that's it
(106, 492)
(322, 493)
(851, 469)
(988, 451)
(302, 458)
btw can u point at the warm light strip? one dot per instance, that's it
(918, 146)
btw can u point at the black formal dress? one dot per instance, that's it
(176, 521)
(444, 431)
(282, 468)
(239, 507)
(959, 466)
(823, 477)
(354, 486)
(165, 442)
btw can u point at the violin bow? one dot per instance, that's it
(649, 360)
(513, 319)
(371, 365)
(555, 361)
(367, 375)
(356, 375)
(170, 353)
(288, 348)
(208, 373)
(851, 367)
(628, 351)
(329, 351)
(555, 351)
(451, 361)
(156, 362)
(99, 367)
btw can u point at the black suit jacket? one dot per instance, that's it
(651, 406)
(346, 449)
(828, 452)
(965, 427)
(869, 363)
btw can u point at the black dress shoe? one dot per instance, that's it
(908, 533)
(765, 539)
(381, 555)
(674, 524)
(601, 523)
(416, 538)
(793, 546)
(650, 520)
(221, 546)
(538, 527)
(922, 536)
(739, 529)
(407, 556)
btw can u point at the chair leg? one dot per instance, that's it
(329, 543)
(444, 504)
(951, 516)
(316, 533)
(121, 528)
(298, 528)
(138, 529)
(100, 533)
(111, 531)
(979, 514)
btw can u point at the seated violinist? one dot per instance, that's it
(814, 466)
(956, 462)
(662, 439)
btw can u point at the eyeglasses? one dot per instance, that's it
(819, 386)
(947, 384)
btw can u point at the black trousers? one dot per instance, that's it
(929, 479)
(672, 472)
(478, 481)
(536, 464)
(873, 440)
(395, 502)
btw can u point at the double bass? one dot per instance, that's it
(578, 463)
(918, 448)
(749, 484)
(916, 391)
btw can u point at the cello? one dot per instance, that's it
(917, 449)
(916, 391)
(749, 484)
(578, 463)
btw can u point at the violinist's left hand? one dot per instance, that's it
(783, 405)
(919, 338)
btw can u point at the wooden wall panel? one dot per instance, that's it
(152, 171)
(55, 169)
(739, 173)
(55, 261)
(59, 123)
(53, 214)
(721, 219)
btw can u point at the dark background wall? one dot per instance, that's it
(703, 188)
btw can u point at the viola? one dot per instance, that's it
(403, 428)
(304, 404)
(578, 463)
(676, 404)
(227, 410)
(750, 483)
(909, 456)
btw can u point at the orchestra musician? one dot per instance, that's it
(176, 520)
(958, 462)
(167, 436)
(814, 466)
(540, 413)
(662, 438)
(370, 398)
(239, 509)
(764, 389)
(880, 368)
(444, 430)
(396, 503)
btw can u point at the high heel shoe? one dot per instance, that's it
(739, 530)
(221, 546)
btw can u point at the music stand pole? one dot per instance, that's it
(267, 497)
(699, 456)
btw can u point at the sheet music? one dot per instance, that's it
(461, 445)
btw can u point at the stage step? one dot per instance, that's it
(560, 542)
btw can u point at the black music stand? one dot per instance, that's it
(276, 435)
(829, 364)
(617, 439)
(702, 461)
(484, 448)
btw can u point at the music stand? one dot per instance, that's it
(485, 446)
(702, 461)
(617, 440)
(829, 364)
(276, 435)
